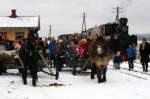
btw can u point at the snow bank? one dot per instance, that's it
(118, 86)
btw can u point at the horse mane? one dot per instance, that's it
(91, 48)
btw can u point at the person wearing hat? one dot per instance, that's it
(131, 52)
(144, 54)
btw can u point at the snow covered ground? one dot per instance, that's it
(121, 84)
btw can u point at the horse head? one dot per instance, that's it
(33, 36)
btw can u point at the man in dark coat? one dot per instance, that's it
(144, 53)
(114, 43)
(114, 46)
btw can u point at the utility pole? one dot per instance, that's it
(117, 13)
(83, 25)
(50, 31)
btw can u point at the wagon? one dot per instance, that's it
(9, 60)
(74, 63)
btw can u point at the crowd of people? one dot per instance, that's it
(61, 51)
(132, 54)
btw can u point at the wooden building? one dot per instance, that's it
(15, 27)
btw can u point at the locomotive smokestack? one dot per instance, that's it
(13, 13)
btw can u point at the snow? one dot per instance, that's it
(20, 21)
(118, 86)
(8, 52)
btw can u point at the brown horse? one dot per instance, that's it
(99, 58)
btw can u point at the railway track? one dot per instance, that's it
(146, 73)
(133, 73)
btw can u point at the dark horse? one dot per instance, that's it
(99, 59)
(29, 56)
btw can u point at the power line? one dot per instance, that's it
(83, 24)
(50, 31)
(117, 13)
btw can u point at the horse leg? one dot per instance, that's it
(99, 75)
(34, 75)
(25, 69)
(104, 74)
(93, 70)
(24, 75)
(33, 66)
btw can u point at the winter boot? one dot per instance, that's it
(146, 70)
(25, 82)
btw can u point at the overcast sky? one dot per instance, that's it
(66, 15)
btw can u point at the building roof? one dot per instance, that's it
(19, 22)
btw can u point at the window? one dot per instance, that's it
(3, 35)
(19, 35)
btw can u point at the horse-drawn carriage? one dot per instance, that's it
(28, 56)
(85, 56)
(9, 60)
(115, 32)
(73, 56)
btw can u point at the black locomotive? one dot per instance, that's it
(119, 32)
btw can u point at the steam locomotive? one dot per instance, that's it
(120, 32)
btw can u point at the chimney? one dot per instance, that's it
(13, 13)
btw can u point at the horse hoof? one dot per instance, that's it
(99, 81)
(25, 82)
(92, 77)
(74, 73)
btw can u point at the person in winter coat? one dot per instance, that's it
(131, 52)
(115, 50)
(144, 54)
(114, 45)
(60, 54)
(52, 47)
(116, 60)
(81, 49)
(21, 42)
(17, 45)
